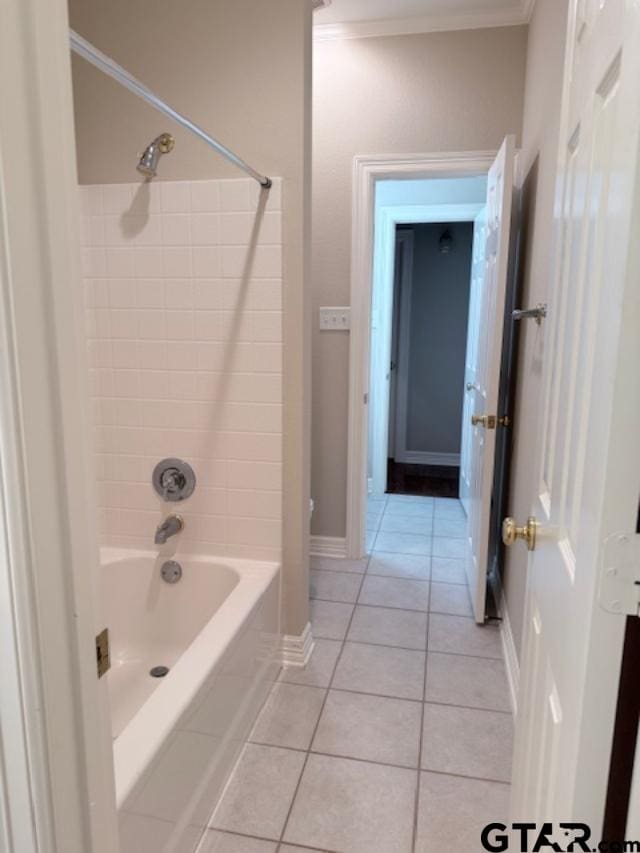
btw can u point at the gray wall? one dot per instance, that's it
(537, 174)
(455, 91)
(241, 69)
(438, 338)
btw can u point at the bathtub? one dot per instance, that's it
(176, 738)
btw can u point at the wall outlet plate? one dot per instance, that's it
(335, 319)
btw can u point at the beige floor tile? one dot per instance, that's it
(335, 586)
(403, 543)
(454, 528)
(389, 627)
(400, 566)
(353, 807)
(288, 848)
(259, 794)
(453, 811)
(415, 509)
(466, 681)
(396, 523)
(318, 672)
(395, 592)
(467, 742)
(450, 598)
(221, 842)
(382, 671)
(450, 509)
(330, 619)
(448, 571)
(289, 716)
(449, 548)
(371, 728)
(462, 636)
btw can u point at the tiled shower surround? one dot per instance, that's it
(183, 295)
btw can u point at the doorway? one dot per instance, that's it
(392, 195)
(429, 338)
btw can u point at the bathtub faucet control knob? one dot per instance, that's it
(171, 526)
(174, 480)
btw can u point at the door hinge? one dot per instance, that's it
(366, 399)
(103, 653)
(620, 574)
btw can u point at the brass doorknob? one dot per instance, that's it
(511, 532)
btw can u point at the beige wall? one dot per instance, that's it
(545, 58)
(454, 91)
(241, 69)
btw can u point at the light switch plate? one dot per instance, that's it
(335, 319)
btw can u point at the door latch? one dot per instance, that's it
(490, 421)
(620, 574)
(103, 653)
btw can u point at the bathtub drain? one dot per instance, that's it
(159, 671)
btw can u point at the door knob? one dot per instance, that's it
(511, 532)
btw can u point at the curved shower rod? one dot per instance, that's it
(101, 61)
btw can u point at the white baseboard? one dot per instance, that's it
(297, 650)
(510, 654)
(420, 457)
(328, 546)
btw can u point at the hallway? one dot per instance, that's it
(398, 736)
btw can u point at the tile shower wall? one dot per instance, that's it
(183, 296)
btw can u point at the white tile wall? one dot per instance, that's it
(183, 295)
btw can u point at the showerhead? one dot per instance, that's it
(148, 164)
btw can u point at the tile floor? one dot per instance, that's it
(397, 738)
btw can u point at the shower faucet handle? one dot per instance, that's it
(174, 480)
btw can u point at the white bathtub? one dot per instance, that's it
(176, 738)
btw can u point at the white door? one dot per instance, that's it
(471, 357)
(589, 461)
(482, 399)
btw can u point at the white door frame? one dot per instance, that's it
(56, 771)
(367, 171)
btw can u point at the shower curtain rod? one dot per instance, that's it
(87, 51)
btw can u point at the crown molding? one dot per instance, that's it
(424, 24)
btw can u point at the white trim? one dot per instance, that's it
(367, 170)
(511, 661)
(297, 650)
(44, 435)
(528, 7)
(423, 24)
(328, 546)
(400, 327)
(425, 457)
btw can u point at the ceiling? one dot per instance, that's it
(360, 18)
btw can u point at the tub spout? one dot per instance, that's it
(171, 526)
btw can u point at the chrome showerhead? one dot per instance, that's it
(148, 164)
